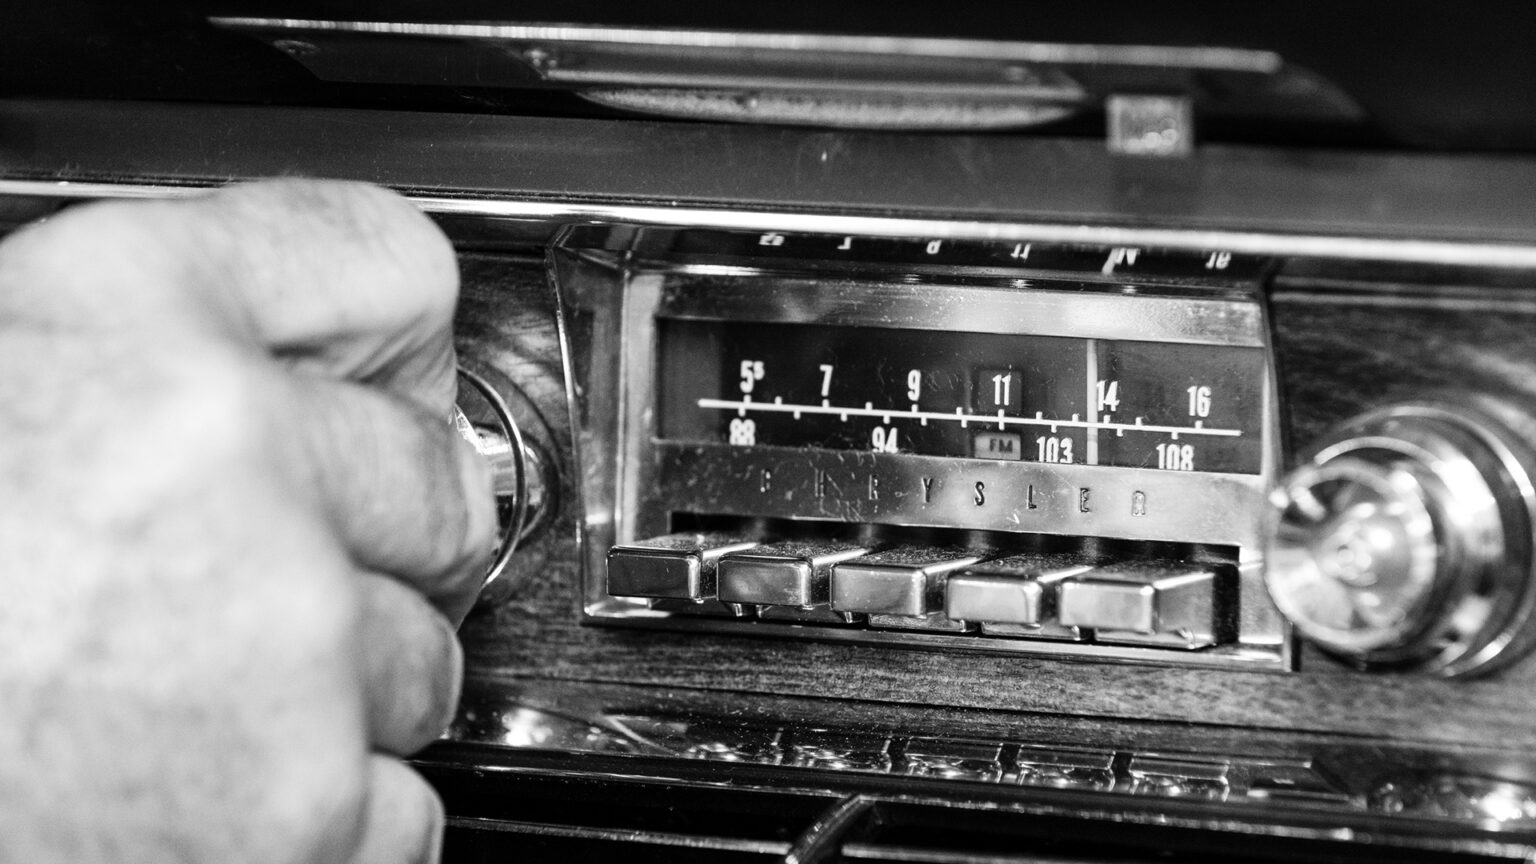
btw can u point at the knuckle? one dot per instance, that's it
(399, 471)
(106, 237)
(368, 226)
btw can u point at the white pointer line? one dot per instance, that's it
(962, 419)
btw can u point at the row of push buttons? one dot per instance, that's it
(1039, 596)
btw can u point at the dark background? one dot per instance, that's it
(1431, 75)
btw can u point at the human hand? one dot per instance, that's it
(228, 487)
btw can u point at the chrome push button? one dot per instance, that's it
(671, 567)
(1015, 596)
(783, 574)
(901, 587)
(1166, 604)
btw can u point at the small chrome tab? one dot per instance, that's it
(1167, 777)
(706, 608)
(907, 580)
(936, 621)
(1150, 125)
(947, 759)
(821, 615)
(671, 567)
(784, 574)
(1170, 604)
(1063, 768)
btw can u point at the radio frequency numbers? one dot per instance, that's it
(999, 403)
(962, 417)
(1176, 457)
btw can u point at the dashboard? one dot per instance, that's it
(957, 447)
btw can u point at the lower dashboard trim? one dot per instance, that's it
(1247, 657)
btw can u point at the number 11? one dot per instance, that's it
(1001, 384)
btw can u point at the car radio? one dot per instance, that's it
(985, 446)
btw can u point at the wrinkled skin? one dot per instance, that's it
(236, 528)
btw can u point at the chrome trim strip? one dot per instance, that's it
(936, 492)
(635, 838)
(971, 309)
(1256, 658)
(1160, 56)
(1441, 252)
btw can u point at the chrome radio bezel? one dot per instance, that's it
(619, 287)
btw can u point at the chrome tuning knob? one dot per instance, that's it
(519, 471)
(1405, 538)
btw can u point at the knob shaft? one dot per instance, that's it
(1405, 538)
(518, 469)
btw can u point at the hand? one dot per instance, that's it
(232, 516)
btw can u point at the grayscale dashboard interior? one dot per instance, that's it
(1111, 369)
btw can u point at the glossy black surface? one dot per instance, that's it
(1429, 74)
(1423, 196)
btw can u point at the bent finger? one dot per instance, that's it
(403, 823)
(412, 667)
(406, 494)
(345, 277)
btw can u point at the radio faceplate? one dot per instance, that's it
(1073, 455)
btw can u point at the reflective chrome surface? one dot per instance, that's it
(1137, 55)
(1477, 798)
(800, 78)
(674, 567)
(1147, 602)
(1486, 800)
(906, 581)
(658, 481)
(784, 574)
(1028, 306)
(1405, 539)
(1019, 591)
(518, 470)
(557, 214)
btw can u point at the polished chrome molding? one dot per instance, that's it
(939, 491)
(639, 838)
(1471, 796)
(1155, 56)
(850, 81)
(1257, 658)
(832, 110)
(1039, 311)
(557, 213)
